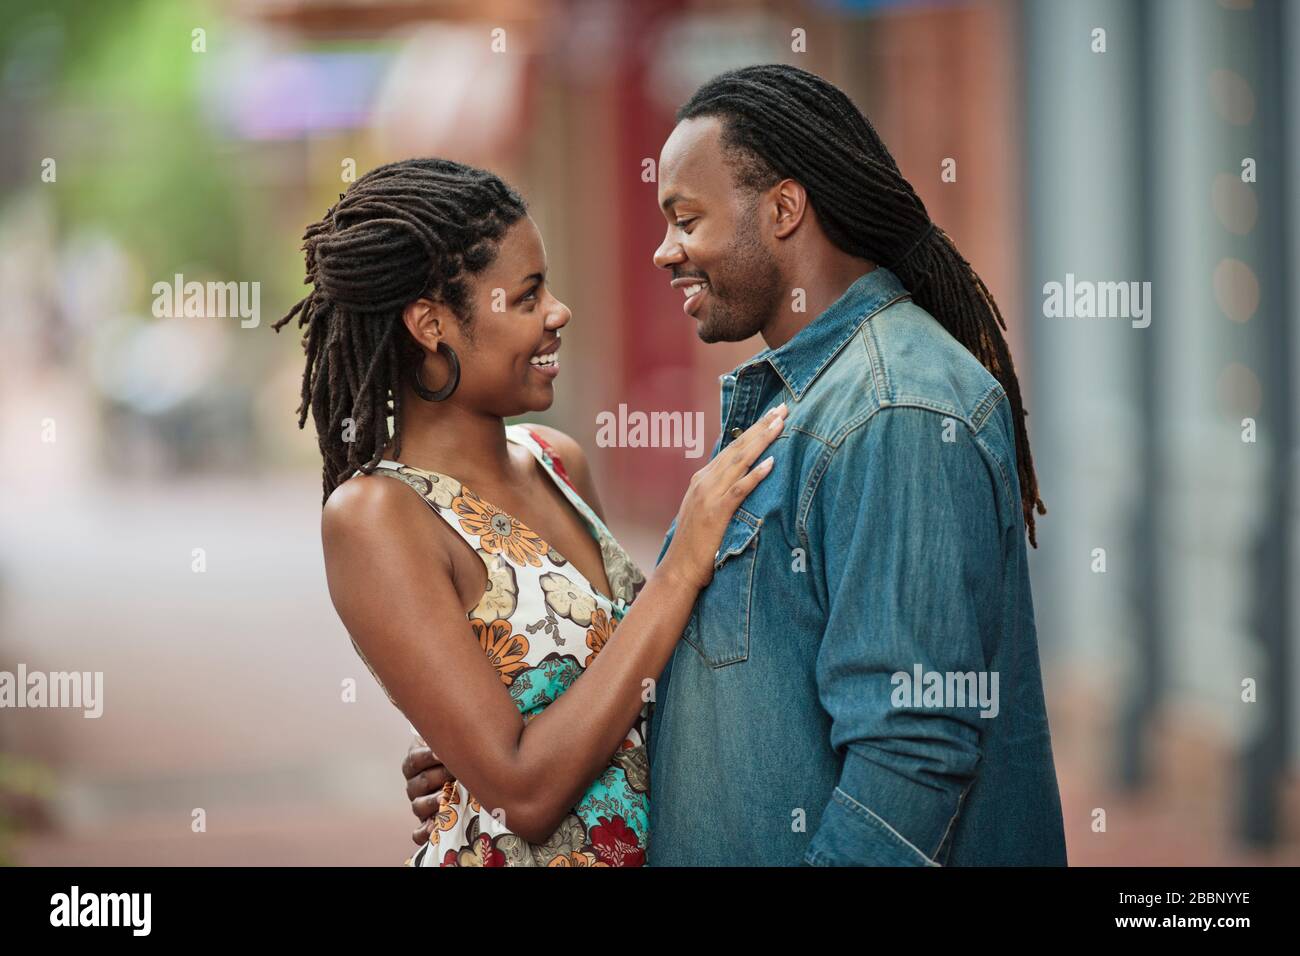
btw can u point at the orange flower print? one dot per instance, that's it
(446, 816)
(601, 630)
(498, 532)
(505, 649)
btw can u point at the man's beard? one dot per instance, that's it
(751, 293)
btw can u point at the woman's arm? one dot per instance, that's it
(391, 581)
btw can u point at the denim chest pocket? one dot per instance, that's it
(718, 629)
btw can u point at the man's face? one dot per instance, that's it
(715, 247)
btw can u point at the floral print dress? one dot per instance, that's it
(541, 623)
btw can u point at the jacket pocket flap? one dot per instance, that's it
(741, 530)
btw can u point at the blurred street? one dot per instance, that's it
(159, 510)
(235, 706)
(229, 705)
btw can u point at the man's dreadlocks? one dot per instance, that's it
(782, 122)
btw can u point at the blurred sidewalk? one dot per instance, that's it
(222, 691)
(1185, 816)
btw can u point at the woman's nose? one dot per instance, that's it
(559, 316)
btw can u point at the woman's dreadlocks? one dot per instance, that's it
(404, 231)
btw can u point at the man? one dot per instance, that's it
(860, 682)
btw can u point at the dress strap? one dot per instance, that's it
(439, 492)
(542, 451)
(550, 458)
(623, 575)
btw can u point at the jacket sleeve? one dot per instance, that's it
(908, 519)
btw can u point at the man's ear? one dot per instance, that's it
(427, 321)
(790, 204)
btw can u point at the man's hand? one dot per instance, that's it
(425, 776)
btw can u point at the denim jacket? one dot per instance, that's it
(824, 705)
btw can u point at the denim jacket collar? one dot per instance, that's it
(799, 361)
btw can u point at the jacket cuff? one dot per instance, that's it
(877, 817)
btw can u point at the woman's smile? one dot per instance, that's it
(547, 361)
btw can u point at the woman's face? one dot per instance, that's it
(509, 355)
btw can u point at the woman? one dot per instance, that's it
(481, 586)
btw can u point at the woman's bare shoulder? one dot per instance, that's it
(357, 502)
(373, 510)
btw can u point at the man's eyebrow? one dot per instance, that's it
(670, 201)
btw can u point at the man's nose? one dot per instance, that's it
(669, 253)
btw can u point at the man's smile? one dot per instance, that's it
(694, 288)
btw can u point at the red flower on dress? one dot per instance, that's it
(615, 843)
(487, 853)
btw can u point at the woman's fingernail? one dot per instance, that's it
(767, 462)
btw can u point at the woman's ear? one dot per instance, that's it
(427, 321)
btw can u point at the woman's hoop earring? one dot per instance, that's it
(453, 380)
